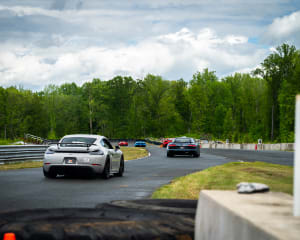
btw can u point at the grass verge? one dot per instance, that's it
(21, 165)
(225, 177)
(8, 141)
(130, 153)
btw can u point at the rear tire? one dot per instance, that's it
(169, 154)
(106, 170)
(121, 168)
(49, 174)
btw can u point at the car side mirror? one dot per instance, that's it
(117, 147)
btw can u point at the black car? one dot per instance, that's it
(183, 146)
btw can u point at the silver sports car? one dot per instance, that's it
(83, 153)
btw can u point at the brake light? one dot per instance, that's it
(192, 145)
(172, 145)
(9, 236)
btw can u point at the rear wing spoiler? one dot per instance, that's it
(87, 145)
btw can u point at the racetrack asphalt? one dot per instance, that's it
(28, 189)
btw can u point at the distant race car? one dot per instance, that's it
(166, 142)
(123, 143)
(83, 153)
(140, 144)
(183, 146)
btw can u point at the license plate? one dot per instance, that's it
(70, 160)
(181, 147)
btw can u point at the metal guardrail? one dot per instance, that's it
(14, 153)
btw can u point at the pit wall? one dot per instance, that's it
(246, 146)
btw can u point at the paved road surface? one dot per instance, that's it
(28, 189)
(277, 157)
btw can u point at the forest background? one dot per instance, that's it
(241, 107)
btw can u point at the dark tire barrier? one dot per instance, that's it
(172, 206)
(140, 219)
(153, 142)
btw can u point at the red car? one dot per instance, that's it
(166, 142)
(123, 143)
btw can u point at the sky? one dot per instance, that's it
(46, 42)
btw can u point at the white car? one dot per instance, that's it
(83, 152)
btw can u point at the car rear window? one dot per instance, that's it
(78, 140)
(184, 140)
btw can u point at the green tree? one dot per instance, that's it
(275, 68)
(290, 88)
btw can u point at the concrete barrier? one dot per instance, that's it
(251, 146)
(229, 215)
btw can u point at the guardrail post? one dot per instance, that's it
(297, 159)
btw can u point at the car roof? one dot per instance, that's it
(84, 135)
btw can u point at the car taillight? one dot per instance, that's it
(97, 152)
(192, 145)
(172, 145)
(9, 236)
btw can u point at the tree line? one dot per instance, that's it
(240, 107)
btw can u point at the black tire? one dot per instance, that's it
(106, 171)
(121, 168)
(157, 219)
(169, 154)
(196, 155)
(172, 206)
(49, 174)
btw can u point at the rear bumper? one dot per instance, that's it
(183, 151)
(83, 162)
(68, 169)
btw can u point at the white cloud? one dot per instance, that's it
(286, 28)
(173, 56)
(59, 41)
(21, 11)
(210, 50)
(123, 21)
(232, 40)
